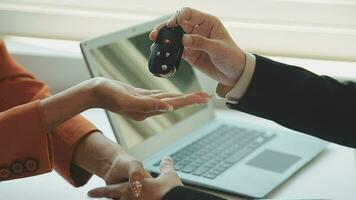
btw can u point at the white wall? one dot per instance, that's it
(57, 67)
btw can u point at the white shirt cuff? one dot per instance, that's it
(238, 91)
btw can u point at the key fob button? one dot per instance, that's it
(167, 42)
(164, 67)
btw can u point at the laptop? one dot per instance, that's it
(224, 153)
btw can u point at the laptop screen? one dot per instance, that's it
(126, 60)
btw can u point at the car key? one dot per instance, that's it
(166, 52)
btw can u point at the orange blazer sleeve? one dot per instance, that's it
(25, 141)
(25, 149)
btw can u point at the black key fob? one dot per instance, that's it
(166, 52)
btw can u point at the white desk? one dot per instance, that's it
(332, 175)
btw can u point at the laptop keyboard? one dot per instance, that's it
(217, 151)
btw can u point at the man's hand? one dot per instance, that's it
(151, 189)
(207, 45)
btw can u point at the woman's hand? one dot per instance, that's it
(138, 103)
(115, 96)
(95, 153)
(207, 45)
(108, 160)
(126, 169)
(150, 189)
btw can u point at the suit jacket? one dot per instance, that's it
(26, 149)
(299, 100)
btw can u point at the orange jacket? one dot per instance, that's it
(25, 148)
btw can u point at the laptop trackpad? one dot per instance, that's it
(273, 161)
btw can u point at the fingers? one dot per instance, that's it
(136, 176)
(175, 100)
(168, 178)
(165, 95)
(188, 27)
(191, 56)
(124, 168)
(166, 165)
(136, 188)
(189, 99)
(129, 169)
(141, 91)
(111, 191)
(186, 17)
(198, 42)
(146, 104)
(200, 60)
(188, 14)
(153, 35)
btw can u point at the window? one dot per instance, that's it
(321, 29)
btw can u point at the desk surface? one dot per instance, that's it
(331, 175)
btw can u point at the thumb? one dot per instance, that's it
(168, 178)
(166, 165)
(198, 42)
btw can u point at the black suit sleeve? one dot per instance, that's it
(303, 101)
(184, 193)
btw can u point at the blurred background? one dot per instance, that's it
(44, 36)
(323, 29)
